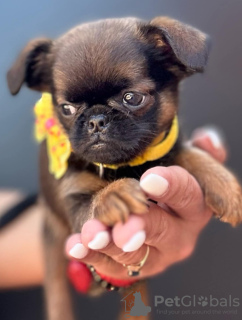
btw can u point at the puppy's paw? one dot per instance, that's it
(222, 191)
(118, 200)
(225, 199)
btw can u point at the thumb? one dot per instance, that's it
(176, 188)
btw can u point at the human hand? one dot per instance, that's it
(170, 229)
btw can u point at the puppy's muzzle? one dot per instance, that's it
(97, 123)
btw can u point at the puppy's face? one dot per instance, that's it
(114, 82)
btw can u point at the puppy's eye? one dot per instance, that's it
(68, 110)
(133, 99)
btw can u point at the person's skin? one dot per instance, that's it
(171, 233)
(21, 259)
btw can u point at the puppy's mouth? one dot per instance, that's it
(106, 150)
(98, 145)
(98, 141)
(100, 149)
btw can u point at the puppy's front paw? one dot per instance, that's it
(222, 191)
(120, 198)
(225, 199)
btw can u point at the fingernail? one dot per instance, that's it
(135, 242)
(188, 144)
(100, 241)
(78, 251)
(154, 184)
(214, 137)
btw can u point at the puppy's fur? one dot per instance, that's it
(91, 67)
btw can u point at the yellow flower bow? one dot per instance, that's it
(48, 127)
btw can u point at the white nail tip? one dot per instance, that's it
(214, 137)
(135, 242)
(154, 184)
(78, 251)
(100, 241)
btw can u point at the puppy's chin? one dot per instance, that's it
(106, 153)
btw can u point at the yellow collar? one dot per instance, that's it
(59, 147)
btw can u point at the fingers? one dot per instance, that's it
(176, 188)
(170, 239)
(210, 140)
(159, 230)
(110, 259)
(75, 250)
(132, 239)
(78, 245)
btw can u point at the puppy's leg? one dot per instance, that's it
(57, 293)
(221, 189)
(84, 195)
(128, 302)
(116, 201)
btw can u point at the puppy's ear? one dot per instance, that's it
(33, 66)
(189, 45)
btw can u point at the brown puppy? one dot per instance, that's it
(114, 85)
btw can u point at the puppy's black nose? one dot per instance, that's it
(97, 123)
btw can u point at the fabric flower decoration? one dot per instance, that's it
(48, 127)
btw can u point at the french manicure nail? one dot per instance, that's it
(135, 242)
(215, 137)
(154, 184)
(100, 241)
(78, 251)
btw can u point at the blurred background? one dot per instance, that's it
(212, 98)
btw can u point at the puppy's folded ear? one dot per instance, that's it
(189, 45)
(33, 66)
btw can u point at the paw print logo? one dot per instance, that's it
(203, 301)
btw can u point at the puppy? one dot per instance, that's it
(114, 85)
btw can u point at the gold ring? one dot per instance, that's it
(134, 269)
